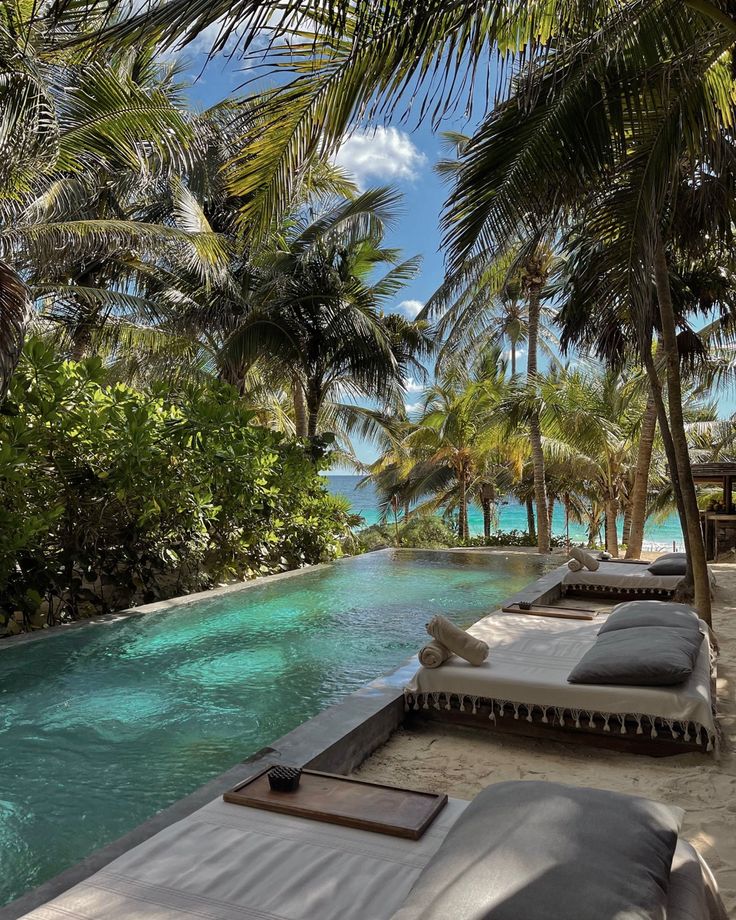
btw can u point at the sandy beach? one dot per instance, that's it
(462, 761)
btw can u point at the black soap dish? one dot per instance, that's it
(284, 779)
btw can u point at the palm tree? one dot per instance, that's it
(80, 133)
(316, 316)
(591, 420)
(460, 448)
(634, 538)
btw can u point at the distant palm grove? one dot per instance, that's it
(196, 306)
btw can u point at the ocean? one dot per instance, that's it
(512, 516)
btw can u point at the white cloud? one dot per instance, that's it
(380, 153)
(410, 308)
(412, 386)
(412, 407)
(520, 352)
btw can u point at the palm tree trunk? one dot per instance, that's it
(486, 518)
(486, 498)
(300, 408)
(641, 480)
(513, 357)
(626, 530)
(535, 431)
(530, 525)
(664, 428)
(313, 404)
(550, 510)
(683, 471)
(611, 532)
(462, 524)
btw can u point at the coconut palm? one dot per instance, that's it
(316, 312)
(460, 449)
(80, 134)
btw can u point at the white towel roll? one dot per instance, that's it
(433, 654)
(574, 565)
(461, 643)
(590, 562)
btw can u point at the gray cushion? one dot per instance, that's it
(650, 613)
(642, 656)
(545, 851)
(669, 564)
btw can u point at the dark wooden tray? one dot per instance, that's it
(342, 800)
(564, 613)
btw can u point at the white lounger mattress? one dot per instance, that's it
(529, 660)
(226, 862)
(622, 576)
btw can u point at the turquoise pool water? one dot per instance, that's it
(102, 726)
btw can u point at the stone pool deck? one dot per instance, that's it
(335, 741)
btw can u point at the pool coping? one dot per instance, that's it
(336, 740)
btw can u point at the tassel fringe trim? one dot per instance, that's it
(621, 723)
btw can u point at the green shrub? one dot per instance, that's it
(377, 536)
(510, 538)
(422, 532)
(111, 496)
(428, 532)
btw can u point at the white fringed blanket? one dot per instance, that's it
(525, 677)
(626, 578)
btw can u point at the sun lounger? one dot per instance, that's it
(234, 863)
(523, 687)
(620, 580)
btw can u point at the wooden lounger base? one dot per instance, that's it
(630, 743)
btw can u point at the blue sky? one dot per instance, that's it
(400, 155)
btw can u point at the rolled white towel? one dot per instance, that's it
(457, 640)
(575, 566)
(590, 562)
(433, 654)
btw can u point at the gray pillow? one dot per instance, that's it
(650, 613)
(545, 851)
(669, 564)
(641, 656)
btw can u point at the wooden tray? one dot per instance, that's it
(341, 800)
(564, 613)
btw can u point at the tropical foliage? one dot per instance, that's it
(112, 496)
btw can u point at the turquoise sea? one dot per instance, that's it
(512, 515)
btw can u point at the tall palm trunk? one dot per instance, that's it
(683, 471)
(462, 524)
(487, 495)
(535, 431)
(626, 529)
(300, 408)
(664, 426)
(550, 510)
(641, 480)
(513, 357)
(313, 404)
(610, 523)
(530, 524)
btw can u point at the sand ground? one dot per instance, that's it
(461, 761)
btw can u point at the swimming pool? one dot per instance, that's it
(102, 726)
